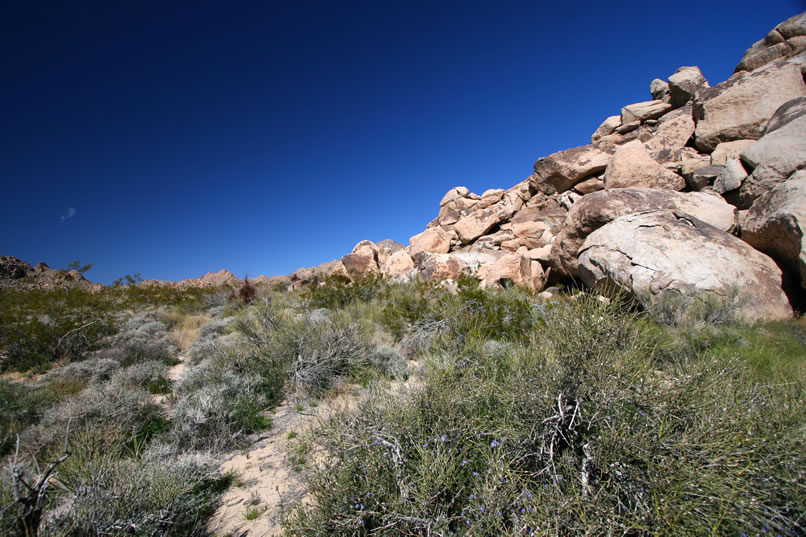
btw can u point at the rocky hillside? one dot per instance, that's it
(698, 191)
(17, 273)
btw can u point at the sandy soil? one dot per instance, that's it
(266, 479)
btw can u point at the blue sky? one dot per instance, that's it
(265, 136)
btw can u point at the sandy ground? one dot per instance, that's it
(265, 478)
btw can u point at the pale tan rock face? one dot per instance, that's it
(728, 150)
(594, 184)
(437, 267)
(607, 127)
(786, 40)
(560, 171)
(776, 225)
(658, 252)
(778, 154)
(735, 110)
(514, 268)
(435, 240)
(643, 111)
(684, 83)
(454, 193)
(480, 222)
(672, 135)
(397, 264)
(598, 209)
(631, 166)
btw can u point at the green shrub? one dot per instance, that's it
(580, 431)
(159, 494)
(130, 412)
(216, 408)
(335, 291)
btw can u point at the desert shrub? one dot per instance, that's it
(19, 408)
(141, 338)
(151, 376)
(335, 291)
(158, 494)
(208, 342)
(412, 304)
(304, 352)
(578, 432)
(38, 327)
(107, 407)
(490, 313)
(90, 371)
(216, 408)
(673, 308)
(388, 362)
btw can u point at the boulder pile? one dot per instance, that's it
(700, 190)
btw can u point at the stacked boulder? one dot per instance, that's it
(701, 190)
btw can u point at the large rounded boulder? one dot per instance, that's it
(599, 208)
(655, 253)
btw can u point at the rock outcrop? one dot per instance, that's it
(596, 210)
(655, 253)
(786, 40)
(16, 273)
(776, 225)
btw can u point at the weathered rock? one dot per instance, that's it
(625, 128)
(734, 109)
(776, 225)
(399, 263)
(454, 193)
(508, 270)
(461, 205)
(643, 111)
(684, 83)
(386, 248)
(671, 135)
(595, 210)
(437, 267)
(363, 259)
(631, 166)
(660, 90)
(732, 178)
(703, 177)
(659, 252)
(594, 184)
(778, 154)
(12, 268)
(490, 197)
(607, 127)
(784, 41)
(494, 240)
(480, 222)
(560, 171)
(435, 240)
(515, 269)
(729, 150)
(691, 160)
(547, 211)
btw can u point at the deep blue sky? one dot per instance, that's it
(265, 136)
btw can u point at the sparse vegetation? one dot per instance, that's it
(577, 416)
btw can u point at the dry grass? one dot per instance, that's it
(186, 329)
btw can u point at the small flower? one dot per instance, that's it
(464, 462)
(444, 437)
(523, 509)
(495, 444)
